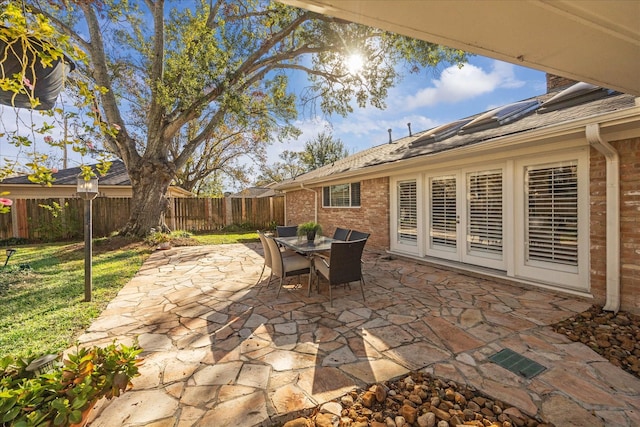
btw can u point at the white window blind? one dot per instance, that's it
(407, 212)
(443, 211)
(341, 195)
(552, 214)
(484, 213)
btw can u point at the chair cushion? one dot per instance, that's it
(288, 252)
(321, 267)
(296, 262)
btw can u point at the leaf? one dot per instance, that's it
(60, 419)
(75, 416)
(11, 414)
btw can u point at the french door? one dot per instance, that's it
(466, 217)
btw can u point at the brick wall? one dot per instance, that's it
(300, 205)
(629, 152)
(372, 217)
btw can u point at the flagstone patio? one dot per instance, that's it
(222, 351)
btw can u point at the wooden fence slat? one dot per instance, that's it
(111, 214)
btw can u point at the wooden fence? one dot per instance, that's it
(55, 219)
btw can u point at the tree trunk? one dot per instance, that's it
(150, 182)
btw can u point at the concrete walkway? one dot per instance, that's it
(223, 351)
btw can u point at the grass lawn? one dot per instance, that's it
(42, 306)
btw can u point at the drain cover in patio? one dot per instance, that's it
(517, 363)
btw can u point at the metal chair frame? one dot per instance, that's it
(344, 266)
(285, 266)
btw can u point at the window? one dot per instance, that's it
(484, 222)
(407, 212)
(444, 215)
(341, 195)
(552, 214)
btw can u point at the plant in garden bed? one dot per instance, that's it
(61, 396)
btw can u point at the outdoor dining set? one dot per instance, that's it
(337, 258)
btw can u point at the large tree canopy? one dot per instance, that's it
(319, 151)
(179, 80)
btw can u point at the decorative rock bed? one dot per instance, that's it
(423, 401)
(615, 336)
(417, 400)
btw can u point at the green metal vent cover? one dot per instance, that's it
(517, 363)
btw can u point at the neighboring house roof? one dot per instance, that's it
(116, 178)
(117, 175)
(255, 192)
(527, 117)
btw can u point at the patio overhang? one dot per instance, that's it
(594, 41)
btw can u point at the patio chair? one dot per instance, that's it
(344, 266)
(267, 257)
(286, 230)
(357, 235)
(285, 266)
(341, 233)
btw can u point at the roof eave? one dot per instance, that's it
(608, 121)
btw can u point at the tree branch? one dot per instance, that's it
(63, 28)
(243, 69)
(123, 142)
(156, 110)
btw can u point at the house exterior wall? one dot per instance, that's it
(629, 152)
(371, 217)
(299, 206)
(374, 217)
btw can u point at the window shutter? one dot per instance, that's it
(484, 221)
(355, 194)
(443, 212)
(326, 197)
(407, 213)
(552, 209)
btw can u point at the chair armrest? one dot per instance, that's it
(322, 258)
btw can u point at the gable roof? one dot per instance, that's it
(117, 175)
(451, 136)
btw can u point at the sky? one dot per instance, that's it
(425, 100)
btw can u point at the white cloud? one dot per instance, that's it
(460, 84)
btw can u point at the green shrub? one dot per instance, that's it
(62, 223)
(61, 394)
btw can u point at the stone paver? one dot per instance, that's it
(221, 350)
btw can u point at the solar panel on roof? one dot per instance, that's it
(500, 116)
(576, 94)
(439, 133)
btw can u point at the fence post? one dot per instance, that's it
(270, 209)
(172, 207)
(14, 219)
(228, 211)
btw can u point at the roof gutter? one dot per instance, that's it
(613, 215)
(315, 207)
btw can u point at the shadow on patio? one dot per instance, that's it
(221, 350)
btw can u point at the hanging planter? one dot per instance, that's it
(32, 71)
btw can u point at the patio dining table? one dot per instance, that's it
(301, 245)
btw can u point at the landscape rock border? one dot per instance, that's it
(614, 336)
(420, 400)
